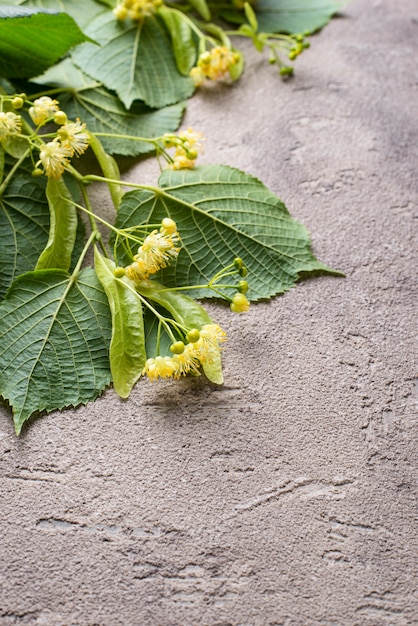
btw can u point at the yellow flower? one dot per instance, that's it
(10, 124)
(74, 137)
(188, 146)
(43, 109)
(207, 347)
(186, 361)
(213, 64)
(158, 250)
(136, 10)
(54, 157)
(160, 367)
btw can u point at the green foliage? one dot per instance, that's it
(24, 226)
(295, 16)
(68, 330)
(136, 61)
(31, 40)
(218, 211)
(54, 337)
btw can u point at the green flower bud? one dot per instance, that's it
(17, 102)
(119, 272)
(177, 347)
(193, 335)
(243, 286)
(192, 154)
(238, 263)
(37, 172)
(243, 271)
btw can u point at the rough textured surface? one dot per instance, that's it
(288, 496)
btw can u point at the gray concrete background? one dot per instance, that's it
(288, 496)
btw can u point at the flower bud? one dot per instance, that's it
(168, 226)
(17, 102)
(238, 263)
(177, 347)
(60, 118)
(119, 272)
(239, 303)
(37, 172)
(242, 286)
(193, 335)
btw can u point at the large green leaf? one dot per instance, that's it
(54, 336)
(222, 213)
(103, 112)
(24, 226)
(127, 347)
(136, 61)
(295, 16)
(31, 40)
(82, 11)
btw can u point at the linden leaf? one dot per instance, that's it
(54, 336)
(24, 226)
(31, 40)
(135, 60)
(222, 213)
(295, 16)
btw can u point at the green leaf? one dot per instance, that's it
(127, 347)
(222, 213)
(103, 112)
(54, 333)
(136, 61)
(183, 41)
(24, 226)
(63, 228)
(295, 16)
(187, 312)
(31, 40)
(82, 11)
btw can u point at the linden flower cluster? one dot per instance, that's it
(136, 10)
(214, 64)
(188, 145)
(202, 347)
(10, 125)
(157, 251)
(71, 138)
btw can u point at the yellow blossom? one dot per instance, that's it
(207, 346)
(186, 361)
(159, 249)
(74, 137)
(188, 146)
(54, 157)
(43, 108)
(136, 10)
(10, 124)
(214, 64)
(160, 367)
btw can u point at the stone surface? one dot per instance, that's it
(288, 496)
